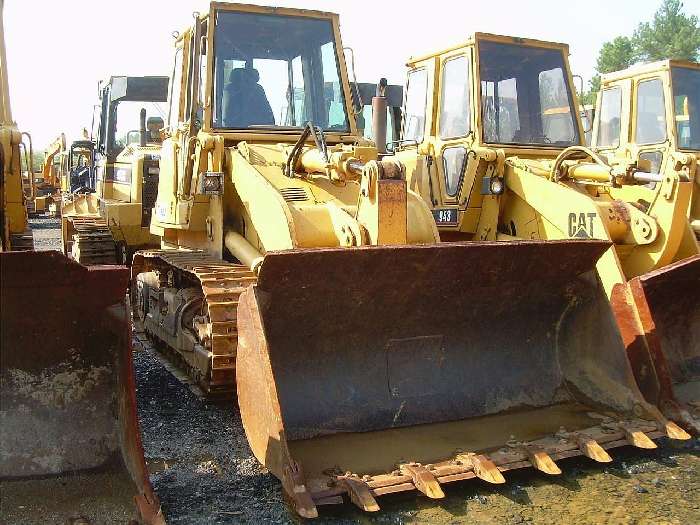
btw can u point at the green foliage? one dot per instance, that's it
(616, 55)
(671, 34)
(589, 96)
(37, 161)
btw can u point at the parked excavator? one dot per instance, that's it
(111, 222)
(42, 189)
(298, 266)
(493, 142)
(78, 168)
(70, 447)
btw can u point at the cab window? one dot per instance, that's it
(609, 120)
(414, 105)
(454, 98)
(651, 114)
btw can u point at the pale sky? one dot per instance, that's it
(59, 50)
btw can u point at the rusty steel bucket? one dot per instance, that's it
(362, 372)
(70, 446)
(668, 306)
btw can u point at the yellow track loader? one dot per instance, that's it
(494, 144)
(297, 266)
(110, 216)
(651, 113)
(70, 447)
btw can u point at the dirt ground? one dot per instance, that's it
(203, 472)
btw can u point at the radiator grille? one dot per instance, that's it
(294, 194)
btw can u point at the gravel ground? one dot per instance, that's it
(204, 472)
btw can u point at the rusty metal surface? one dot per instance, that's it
(68, 394)
(337, 342)
(668, 302)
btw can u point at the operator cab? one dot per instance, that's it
(276, 72)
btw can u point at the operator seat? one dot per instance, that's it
(244, 101)
(154, 125)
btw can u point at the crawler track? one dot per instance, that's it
(221, 284)
(90, 241)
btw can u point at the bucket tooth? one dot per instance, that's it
(293, 484)
(423, 480)
(673, 431)
(636, 437)
(540, 459)
(483, 467)
(360, 493)
(590, 448)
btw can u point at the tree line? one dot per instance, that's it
(670, 34)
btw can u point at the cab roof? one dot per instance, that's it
(491, 38)
(649, 67)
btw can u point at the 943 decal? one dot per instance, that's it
(446, 216)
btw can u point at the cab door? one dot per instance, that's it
(611, 129)
(413, 149)
(650, 122)
(458, 204)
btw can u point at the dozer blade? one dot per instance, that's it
(668, 305)
(70, 447)
(407, 367)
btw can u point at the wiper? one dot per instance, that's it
(319, 140)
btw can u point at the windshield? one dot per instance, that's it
(686, 104)
(127, 122)
(276, 71)
(525, 96)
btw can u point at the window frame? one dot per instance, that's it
(659, 80)
(177, 76)
(676, 135)
(424, 70)
(462, 169)
(217, 103)
(568, 81)
(468, 80)
(600, 118)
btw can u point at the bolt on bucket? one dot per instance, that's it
(70, 445)
(668, 306)
(363, 372)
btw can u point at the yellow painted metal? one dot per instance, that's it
(320, 228)
(553, 192)
(550, 195)
(674, 158)
(119, 198)
(13, 217)
(48, 172)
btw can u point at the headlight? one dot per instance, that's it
(497, 185)
(492, 186)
